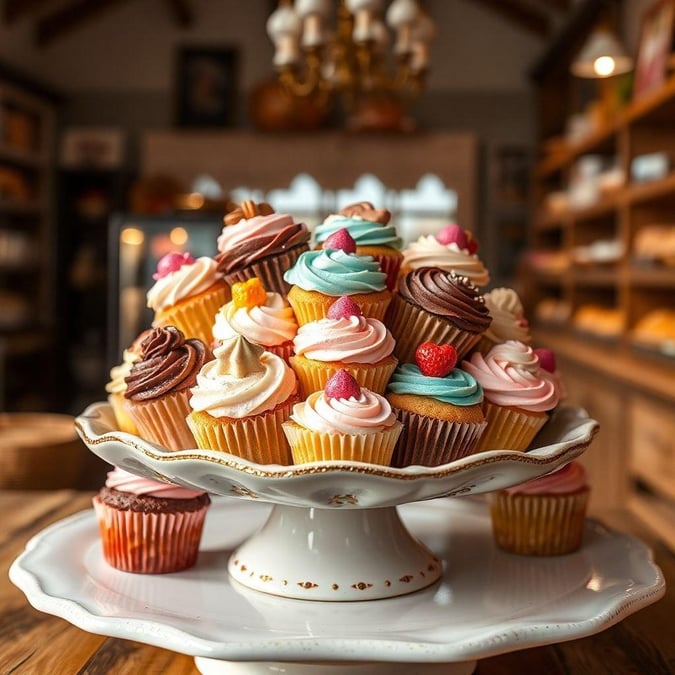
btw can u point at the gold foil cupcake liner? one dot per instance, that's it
(149, 543)
(430, 441)
(162, 420)
(314, 446)
(538, 524)
(411, 326)
(195, 317)
(509, 428)
(124, 420)
(269, 270)
(313, 375)
(313, 306)
(258, 438)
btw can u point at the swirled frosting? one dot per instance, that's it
(511, 376)
(334, 272)
(121, 480)
(370, 413)
(447, 295)
(508, 317)
(118, 373)
(270, 324)
(168, 363)
(427, 251)
(456, 388)
(571, 478)
(364, 232)
(255, 238)
(352, 339)
(185, 282)
(242, 380)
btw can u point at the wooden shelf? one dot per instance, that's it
(21, 157)
(11, 207)
(652, 277)
(594, 275)
(638, 193)
(657, 515)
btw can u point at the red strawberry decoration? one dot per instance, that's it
(546, 359)
(471, 243)
(342, 385)
(172, 262)
(452, 234)
(343, 308)
(435, 360)
(341, 239)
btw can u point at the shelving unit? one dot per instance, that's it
(629, 389)
(27, 262)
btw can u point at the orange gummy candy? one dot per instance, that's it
(248, 294)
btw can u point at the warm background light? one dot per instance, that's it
(178, 236)
(132, 236)
(604, 66)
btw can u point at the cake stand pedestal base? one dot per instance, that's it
(337, 554)
(215, 667)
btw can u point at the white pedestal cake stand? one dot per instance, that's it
(334, 533)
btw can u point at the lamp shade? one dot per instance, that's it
(601, 56)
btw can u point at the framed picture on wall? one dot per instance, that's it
(654, 46)
(206, 86)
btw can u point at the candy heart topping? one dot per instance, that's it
(452, 234)
(172, 262)
(342, 385)
(343, 308)
(435, 360)
(341, 239)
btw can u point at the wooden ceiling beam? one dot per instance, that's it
(523, 15)
(58, 23)
(182, 12)
(14, 10)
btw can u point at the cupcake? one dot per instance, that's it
(342, 422)
(158, 386)
(374, 236)
(240, 400)
(544, 516)
(518, 394)
(261, 317)
(344, 340)
(318, 278)
(262, 244)
(549, 368)
(147, 526)
(439, 406)
(452, 249)
(443, 307)
(508, 319)
(117, 385)
(187, 293)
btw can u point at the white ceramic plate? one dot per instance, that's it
(487, 602)
(341, 484)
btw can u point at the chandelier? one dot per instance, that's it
(351, 54)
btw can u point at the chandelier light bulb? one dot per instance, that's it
(402, 13)
(284, 28)
(604, 66)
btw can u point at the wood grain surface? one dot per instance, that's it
(35, 643)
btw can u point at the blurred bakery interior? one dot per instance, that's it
(546, 128)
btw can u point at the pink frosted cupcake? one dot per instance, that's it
(343, 422)
(544, 516)
(518, 395)
(262, 245)
(347, 340)
(265, 319)
(187, 294)
(452, 249)
(147, 526)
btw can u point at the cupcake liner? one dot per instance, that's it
(162, 420)
(484, 345)
(313, 375)
(411, 325)
(430, 441)
(314, 446)
(124, 421)
(258, 438)
(149, 543)
(285, 350)
(195, 316)
(269, 270)
(312, 305)
(539, 524)
(509, 428)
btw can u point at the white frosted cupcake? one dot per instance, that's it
(343, 422)
(348, 340)
(508, 319)
(263, 318)
(518, 394)
(452, 249)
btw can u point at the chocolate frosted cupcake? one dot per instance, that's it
(147, 526)
(441, 306)
(158, 387)
(260, 244)
(372, 232)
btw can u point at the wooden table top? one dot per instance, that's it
(34, 643)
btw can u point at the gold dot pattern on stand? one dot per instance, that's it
(265, 578)
(339, 500)
(335, 587)
(307, 584)
(243, 492)
(387, 583)
(362, 586)
(407, 578)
